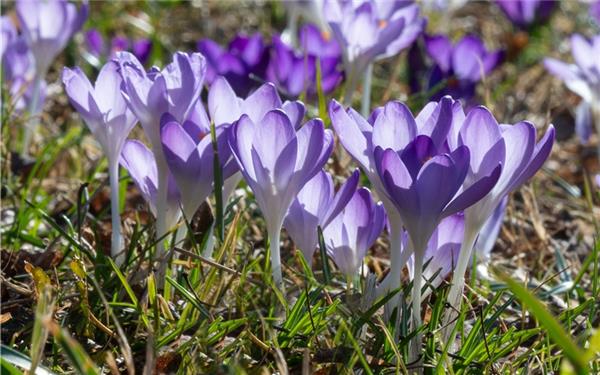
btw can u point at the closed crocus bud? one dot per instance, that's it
(525, 13)
(276, 162)
(48, 26)
(139, 161)
(108, 117)
(315, 206)
(583, 78)
(353, 231)
(189, 154)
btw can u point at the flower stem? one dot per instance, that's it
(366, 97)
(458, 280)
(415, 347)
(116, 244)
(275, 257)
(32, 122)
(161, 220)
(596, 119)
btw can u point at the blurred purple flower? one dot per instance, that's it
(524, 13)
(353, 231)
(139, 161)
(276, 162)
(595, 10)
(108, 117)
(295, 72)
(463, 65)
(583, 78)
(371, 30)
(48, 26)
(315, 206)
(96, 46)
(244, 59)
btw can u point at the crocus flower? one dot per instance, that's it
(276, 162)
(295, 72)
(174, 90)
(244, 59)
(583, 78)
(353, 231)
(48, 26)
(490, 143)
(524, 13)
(392, 126)
(489, 232)
(108, 117)
(371, 30)
(463, 65)
(8, 33)
(139, 161)
(225, 108)
(188, 150)
(595, 10)
(310, 10)
(315, 206)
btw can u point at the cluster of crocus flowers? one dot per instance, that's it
(97, 47)
(46, 27)
(461, 65)
(583, 78)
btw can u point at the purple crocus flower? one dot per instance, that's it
(140, 162)
(371, 30)
(310, 10)
(245, 58)
(141, 48)
(48, 26)
(583, 78)
(276, 162)
(188, 150)
(490, 143)
(8, 33)
(315, 206)
(108, 117)
(94, 42)
(295, 72)
(392, 126)
(174, 90)
(462, 65)
(353, 231)
(595, 10)
(225, 108)
(524, 13)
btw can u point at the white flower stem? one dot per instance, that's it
(415, 347)
(116, 244)
(366, 97)
(458, 281)
(32, 122)
(350, 87)
(274, 236)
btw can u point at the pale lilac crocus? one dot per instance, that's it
(276, 161)
(370, 30)
(140, 162)
(99, 50)
(47, 26)
(392, 126)
(515, 148)
(175, 90)
(108, 117)
(583, 78)
(353, 231)
(315, 206)
(225, 108)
